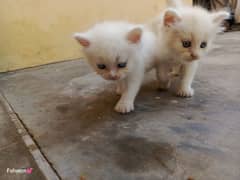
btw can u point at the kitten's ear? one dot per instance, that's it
(171, 17)
(134, 36)
(82, 39)
(219, 17)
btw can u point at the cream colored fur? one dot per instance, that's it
(110, 43)
(183, 23)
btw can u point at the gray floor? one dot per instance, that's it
(69, 112)
(13, 152)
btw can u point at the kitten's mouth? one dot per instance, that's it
(113, 78)
(192, 59)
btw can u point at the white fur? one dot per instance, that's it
(189, 23)
(109, 40)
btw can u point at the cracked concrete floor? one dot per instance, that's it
(69, 112)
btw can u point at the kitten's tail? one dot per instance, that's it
(174, 3)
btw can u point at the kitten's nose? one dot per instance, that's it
(113, 75)
(194, 56)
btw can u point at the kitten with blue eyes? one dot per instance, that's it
(185, 34)
(121, 52)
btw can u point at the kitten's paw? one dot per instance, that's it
(185, 92)
(163, 86)
(119, 90)
(124, 107)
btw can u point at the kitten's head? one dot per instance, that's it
(189, 31)
(109, 48)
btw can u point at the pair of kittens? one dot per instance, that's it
(172, 44)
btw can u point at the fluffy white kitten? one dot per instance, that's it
(121, 52)
(185, 34)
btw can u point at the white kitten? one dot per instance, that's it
(122, 52)
(185, 34)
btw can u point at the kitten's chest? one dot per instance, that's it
(174, 68)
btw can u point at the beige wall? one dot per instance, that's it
(39, 32)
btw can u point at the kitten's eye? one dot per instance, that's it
(203, 45)
(186, 44)
(101, 66)
(122, 65)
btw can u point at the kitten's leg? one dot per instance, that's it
(162, 76)
(187, 76)
(133, 83)
(120, 87)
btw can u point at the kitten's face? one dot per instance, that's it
(114, 68)
(191, 31)
(189, 46)
(110, 52)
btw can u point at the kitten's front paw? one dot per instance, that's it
(124, 107)
(163, 87)
(119, 90)
(185, 92)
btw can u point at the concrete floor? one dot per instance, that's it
(69, 112)
(13, 152)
